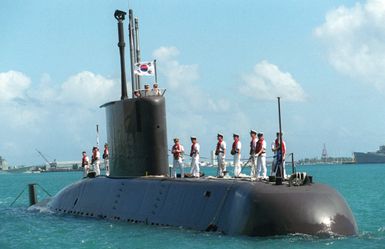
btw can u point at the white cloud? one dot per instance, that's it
(267, 82)
(13, 85)
(355, 41)
(88, 89)
(36, 113)
(177, 75)
(181, 79)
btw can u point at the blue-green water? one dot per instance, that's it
(361, 185)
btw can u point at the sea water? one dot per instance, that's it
(361, 185)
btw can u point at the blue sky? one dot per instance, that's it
(223, 63)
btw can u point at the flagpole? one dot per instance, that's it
(156, 72)
(280, 139)
(137, 50)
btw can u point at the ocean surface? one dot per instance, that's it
(363, 187)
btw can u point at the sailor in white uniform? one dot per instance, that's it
(261, 155)
(194, 154)
(85, 163)
(106, 156)
(253, 148)
(177, 151)
(220, 152)
(236, 152)
(96, 160)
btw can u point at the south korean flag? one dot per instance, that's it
(145, 68)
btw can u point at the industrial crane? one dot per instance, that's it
(51, 164)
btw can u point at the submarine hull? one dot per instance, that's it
(234, 207)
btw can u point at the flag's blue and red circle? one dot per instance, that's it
(143, 68)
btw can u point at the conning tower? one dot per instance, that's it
(136, 126)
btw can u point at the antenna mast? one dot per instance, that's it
(137, 50)
(119, 15)
(132, 49)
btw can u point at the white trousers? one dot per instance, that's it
(195, 166)
(97, 167)
(177, 163)
(261, 165)
(221, 165)
(86, 170)
(237, 164)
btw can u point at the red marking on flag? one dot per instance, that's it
(143, 68)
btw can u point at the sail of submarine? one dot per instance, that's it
(138, 189)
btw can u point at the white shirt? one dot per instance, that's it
(196, 148)
(239, 146)
(181, 150)
(222, 147)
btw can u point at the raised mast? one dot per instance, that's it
(281, 173)
(132, 49)
(137, 50)
(119, 15)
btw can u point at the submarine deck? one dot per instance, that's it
(231, 206)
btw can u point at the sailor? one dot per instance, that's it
(147, 90)
(106, 157)
(236, 152)
(253, 147)
(280, 155)
(220, 152)
(137, 94)
(155, 90)
(261, 155)
(177, 151)
(85, 163)
(96, 160)
(274, 162)
(194, 154)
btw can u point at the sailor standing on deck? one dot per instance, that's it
(220, 152)
(261, 155)
(253, 148)
(279, 155)
(106, 156)
(177, 151)
(236, 152)
(194, 154)
(96, 160)
(85, 163)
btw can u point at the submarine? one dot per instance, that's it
(139, 189)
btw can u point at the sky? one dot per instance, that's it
(223, 63)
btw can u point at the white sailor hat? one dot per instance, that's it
(235, 135)
(260, 133)
(193, 137)
(253, 131)
(220, 135)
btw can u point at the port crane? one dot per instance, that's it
(51, 164)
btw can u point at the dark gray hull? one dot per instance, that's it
(232, 207)
(370, 157)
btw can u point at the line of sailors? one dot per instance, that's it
(155, 91)
(257, 156)
(95, 161)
